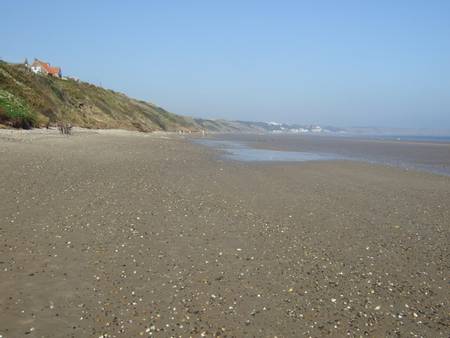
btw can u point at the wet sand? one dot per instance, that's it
(431, 156)
(125, 235)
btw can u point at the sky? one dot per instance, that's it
(341, 63)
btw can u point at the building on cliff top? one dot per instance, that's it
(44, 68)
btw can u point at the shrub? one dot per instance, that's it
(15, 112)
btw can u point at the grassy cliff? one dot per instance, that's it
(29, 100)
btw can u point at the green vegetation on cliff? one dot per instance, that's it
(29, 100)
(15, 112)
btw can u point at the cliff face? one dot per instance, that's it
(39, 100)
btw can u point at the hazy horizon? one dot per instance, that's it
(343, 64)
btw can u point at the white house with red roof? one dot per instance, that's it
(44, 68)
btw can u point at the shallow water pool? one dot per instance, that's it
(240, 152)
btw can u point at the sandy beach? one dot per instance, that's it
(126, 235)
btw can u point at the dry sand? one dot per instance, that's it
(123, 236)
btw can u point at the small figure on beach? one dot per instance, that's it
(65, 128)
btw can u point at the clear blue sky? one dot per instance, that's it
(344, 63)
